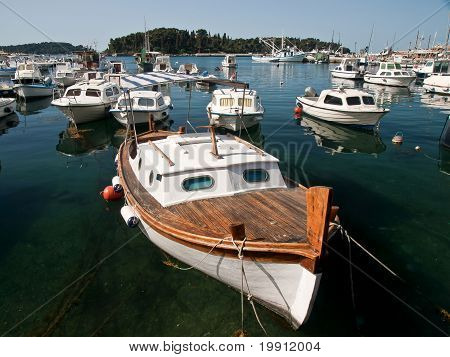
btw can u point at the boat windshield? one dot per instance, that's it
(331, 99)
(368, 100)
(353, 101)
(73, 93)
(93, 93)
(146, 102)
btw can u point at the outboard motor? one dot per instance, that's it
(310, 92)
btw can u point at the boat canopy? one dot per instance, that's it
(153, 78)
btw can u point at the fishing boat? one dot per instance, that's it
(65, 74)
(221, 205)
(188, 68)
(235, 109)
(138, 106)
(437, 83)
(342, 106)
(229, 61)
(391, 74)
(280, 54)
(349, 68)
(88, 101)
(7, 106)
(162, 64)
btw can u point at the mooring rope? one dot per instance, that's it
(249, 294)
(350, 238)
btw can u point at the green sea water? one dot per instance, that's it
(70, 267)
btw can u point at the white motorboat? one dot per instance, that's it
(143, 104)
(432, 66)
(226, 108)
(88, 101)
(280, 54)
(437, 83)
(27, 73)
(65, 74)
(349, 68)
(87, 76)
(162, 64)
(221, 205)
(391, 74)
(7, 106)
(44, 89)
(342, 106)
(188, 68)
(6, 70)
(229, 61)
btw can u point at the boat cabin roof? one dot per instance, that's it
(190, 152)
(344, 93)
(234, 92)
(94, 84)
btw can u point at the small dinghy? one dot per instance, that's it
(342, 106)
(142, 104)
(221, 205)
(7, 106)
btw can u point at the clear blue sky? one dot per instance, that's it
(85, 22)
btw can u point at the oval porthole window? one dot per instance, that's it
(255, 175)
(198, 183)
(150, 178)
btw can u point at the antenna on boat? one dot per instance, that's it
(214, 150)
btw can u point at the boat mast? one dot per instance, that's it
(370, 39)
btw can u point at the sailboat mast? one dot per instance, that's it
(370, 39)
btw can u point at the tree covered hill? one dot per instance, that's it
(48, 48)
(175, 41)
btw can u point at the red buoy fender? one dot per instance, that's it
(109, 194)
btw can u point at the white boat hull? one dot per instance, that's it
(287, 289)
(346, 74)
(33, 91)
(234, 122)
(436, 89)
(85, 113)
(294, 58)
(394, 81)
(7, 107)
(342, 117)
(66, 81)
(140, 117)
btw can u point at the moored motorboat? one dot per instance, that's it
(137, 106)
(229, 61)
(349, 68)
(7, 106)
(437, 83)
(162, 64)
(65, 74)
(235, 109)
(43, 89)
(88, 101)
(221, 205)
(391, 74)
(188, 68)
(342, 106)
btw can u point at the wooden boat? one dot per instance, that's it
(215, 202)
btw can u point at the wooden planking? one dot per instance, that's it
(318, 200)
(271, 215)
(208, 234)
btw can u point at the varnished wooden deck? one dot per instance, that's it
(271, 216)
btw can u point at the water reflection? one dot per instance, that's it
(343, 139)
(346, 83)
(387, 94)
(86, 138)
(435, 101)
(253, 134)
(33, 106)
(8, 122)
